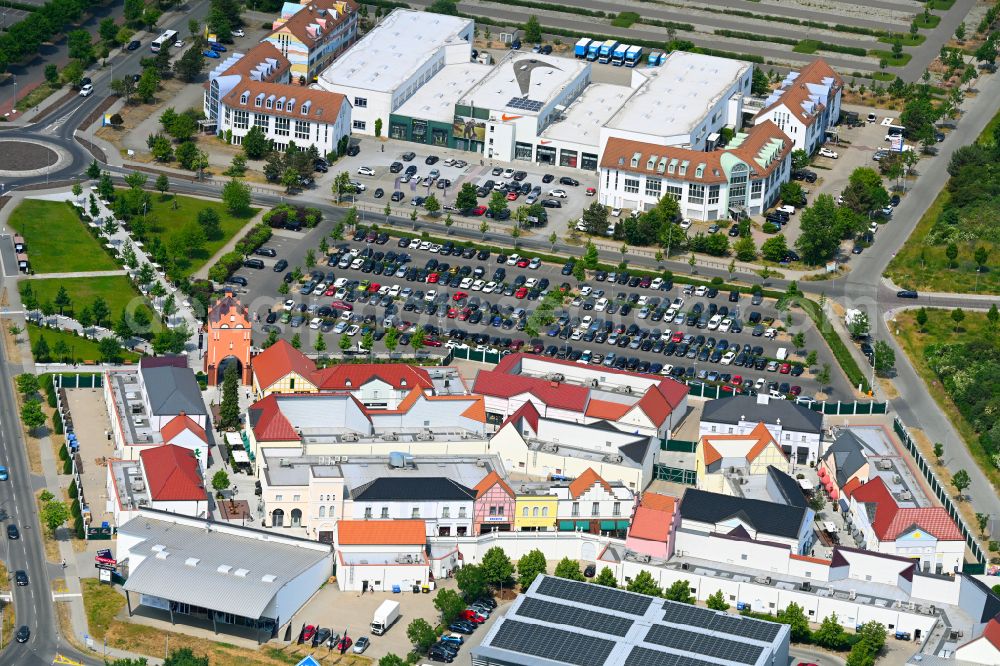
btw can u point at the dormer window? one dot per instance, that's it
(270, 102)
(259, 100)
(290, 106)
(244, 97)
(635, 159)
(305, 107)
(651, 163)
(684, 168)
(700, 171)
(280, 104)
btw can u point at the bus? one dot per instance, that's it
(164, 40)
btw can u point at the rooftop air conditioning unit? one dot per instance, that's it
(885, 463)
(853, 595)
(350, 437)
(480, 463)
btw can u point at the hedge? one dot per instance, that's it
(67, 467)
(754, 37)
(48, 385)
(72, 489)
(231, 261)
(566, 9)
(57, 424)
(794, 21)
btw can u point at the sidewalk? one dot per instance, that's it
(202, 273)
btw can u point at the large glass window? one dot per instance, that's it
(567, 158)
(241, 119)
(713, 194)
(756, 187)
(419, 131)
(588, 162)
(359, 124)
(262, 121)
(281, 126)
(522, 151)
(439, 137)
(738, 185)
(696, 194)
(545, 155)
(653, 186)
(397, 131)
(632, 185)
(302, 129)
(675, 191)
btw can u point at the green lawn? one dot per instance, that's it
(168, 222)
(890, 58)
(906, 39)
(116, 290)
(102, 603)
(58, 242)
(78, 347)
(929, 24)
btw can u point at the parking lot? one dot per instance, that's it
(477, 301)
(379, 155)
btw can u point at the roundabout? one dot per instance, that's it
(24, 157)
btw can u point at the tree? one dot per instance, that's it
(570, 569)
(717, 601)
(759, 85)
(134, 10)
(80, 46)
(745, 249)
(532, 30)
(220, 482)
(391, 339)
(187, 155)
(185, 657)
(774, 248)
(272, 338)
(27, 385)
(483, 228)
(831, 634)
(449, 603)
(466, 198)
(960, 32)
(800, 159)
(236, 196)
(952, 253)
(188, 67)
(859, 326)
(823, 376)
(94, 170)
(792, 193)
(957, 316)
(865, 192)
(320, 344)
(497, 567)
(938, 451)
(421, 634)
(124, 88)
(147, 86)
(256, 145)
(606, 578)
(32, 415)
(595, 219)
(210, 223)
(449, 7)
(101, 311)
(643, 583)
(54, 514)
(86, 320)
(680, 591)
(109, 349)
(345, 343)
(960, 480)
(795, 617)
(391, 659)
(497, 204)
(40, 350)
(62, 299)
(471, 581)
(919, 115)
(229, 410)
(921, 318)
(982, 520)
(885, 357)
(431, 204)
(981, 254)
(799, 340)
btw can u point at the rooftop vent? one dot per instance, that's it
(192, 561)
(268, 578)
(242, 573)
(158, 547)
(224, 569)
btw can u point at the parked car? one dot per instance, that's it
(826, 152)
(86, 90)
(23, 634)
(134, 44)
(361, 645)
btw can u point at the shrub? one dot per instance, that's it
(770, 228)
(72, 489)
(67, 467)
(48, 386)
(225, 266)
(57, 424)
(63, 452)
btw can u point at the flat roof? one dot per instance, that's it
(286, 470)
(435, 100)
(585, 624)
(221, 567)
(393, 50)
(524, 83)
(688, 83)
(583, 119)
(126, 392)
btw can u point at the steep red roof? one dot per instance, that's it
(554, 394)
(891, 520)
(278, 360)
(658, 502)
(268, 423)
(585, 481)
(173, 474)
(526, 411)
(673, 391)
(759, 433)
(488, 482)
(381, 532)
(179, 424)
(350, 376)
(652, 524)
(607, 410)
(991, 632)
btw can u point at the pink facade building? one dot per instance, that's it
(493, 508)
(654, 524)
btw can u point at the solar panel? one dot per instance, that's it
(643, 656)
(759, 630)
(678, 613)
(574, 616)
(525, 104)
(549, 643)
(595, 595)
(698, 643)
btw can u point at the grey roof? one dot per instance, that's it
(746, 408)
(172, 390)
(260, 554)
(789, 490)
(583, 624)
(765, 517)
(426, 488)
(848, 454)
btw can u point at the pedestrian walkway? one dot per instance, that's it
(69, 276)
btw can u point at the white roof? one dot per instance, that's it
(392, 51)
(435, 100)
(525, 75)
(583, 120)
(689, 83)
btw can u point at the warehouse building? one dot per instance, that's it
(391, 63)
(583, 624)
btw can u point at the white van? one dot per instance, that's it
(782, 354)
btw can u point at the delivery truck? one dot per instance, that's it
(606, 51)
(618, 55)
(593, 50)
(633, 56)
(384, 616)
(581, 47)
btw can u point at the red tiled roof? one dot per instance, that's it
(651, 524)
(323, 106)
(278, 360)
(654, 405)
(585, 481)
(806, 558)
(179, 424)
(554, 394)
(381, 532)
(760, 433)
(658, 502)
(891, 520)
(173, 474)
(268, 423)
(298, 23)
(618, 154)
(246, 65)
(349, 376)
(851, 486)
(488, 482)
(526, 411)
(793, 97)
(607, 410)
(991, 632)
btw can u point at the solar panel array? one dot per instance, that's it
(698, 643)
(550, 643)
(678, 613)
(759, 630)
(643, 656)
(574, 616)
(595, 595)
(525, 104)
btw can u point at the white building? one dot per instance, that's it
(387, 66)
(166, 478)
(806, 105)
(542, 448)
(926, 534)
(591, 504)
(444, 505)
(796, 428)
(381, 555)
(180, 567)
(743, 177)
